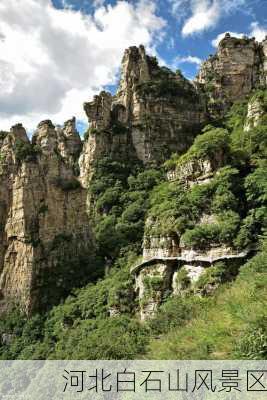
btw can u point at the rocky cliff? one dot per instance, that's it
(238, 67)
(46, 242)
(44, 228)
(154, 113)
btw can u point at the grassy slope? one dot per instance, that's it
(232, 325)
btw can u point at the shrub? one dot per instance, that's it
(253, 343)
(86, 135)
(209, 145)
(66, 184)
(183, 281)
(256, 186)
(26, 151)
(231, 324)
(93, 131)
(145, 180)
(134, 212)
(106, 235)
(108, 199)
(174, 313)
(201, 236)
(153, 283)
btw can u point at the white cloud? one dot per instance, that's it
(217, 40)
(189, 59)
(52, 60)
(257, 31)
(179, 8)
(205, 14)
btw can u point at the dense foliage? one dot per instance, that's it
(26, 151)
(119, 194)
(229, 208)
(230, 325)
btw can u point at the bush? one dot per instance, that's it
(224, 230)
(123, 199)
(145, 180)
(26, 151)
(108, 199)
(126, 337)
(106, 235)
(134, 212)
(183, 280)
(256, 187)
(66, 184)
(253, 343)
(209, 145)
(201, 236)
(174, 313)
(168, 87)
(232, 324)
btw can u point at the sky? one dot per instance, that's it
(57, 54)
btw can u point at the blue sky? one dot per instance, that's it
(243, 17)
(56, 54)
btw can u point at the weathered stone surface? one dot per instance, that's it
(151, 285)
(238, 67)
(191, 274)
(69, 142)
(255, 112)
(43, 219)
(165, 256)
(98, 111)
(264, 63)
(154, 113)
(196, 171)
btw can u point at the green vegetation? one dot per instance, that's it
(222, 315)
(236, 196)
(168, 88)
(67, 184)
(232, 324)
(167, 84)
(177, 210)
(81, 327)
(183, 281)
(3, 134)
(25, 151)
(213, 143)
(120, 194)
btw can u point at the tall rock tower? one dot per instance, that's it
(155, 112)
(45, 238)
(238, 67)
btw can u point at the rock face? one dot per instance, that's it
(43, 220)
(154, 113)
(45, 238)
(169, 267)
(256, 111)
(238, 67)
(157, 112)
(173, 270)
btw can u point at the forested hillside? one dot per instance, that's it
(222, 314)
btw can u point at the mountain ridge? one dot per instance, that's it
(169, 177)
